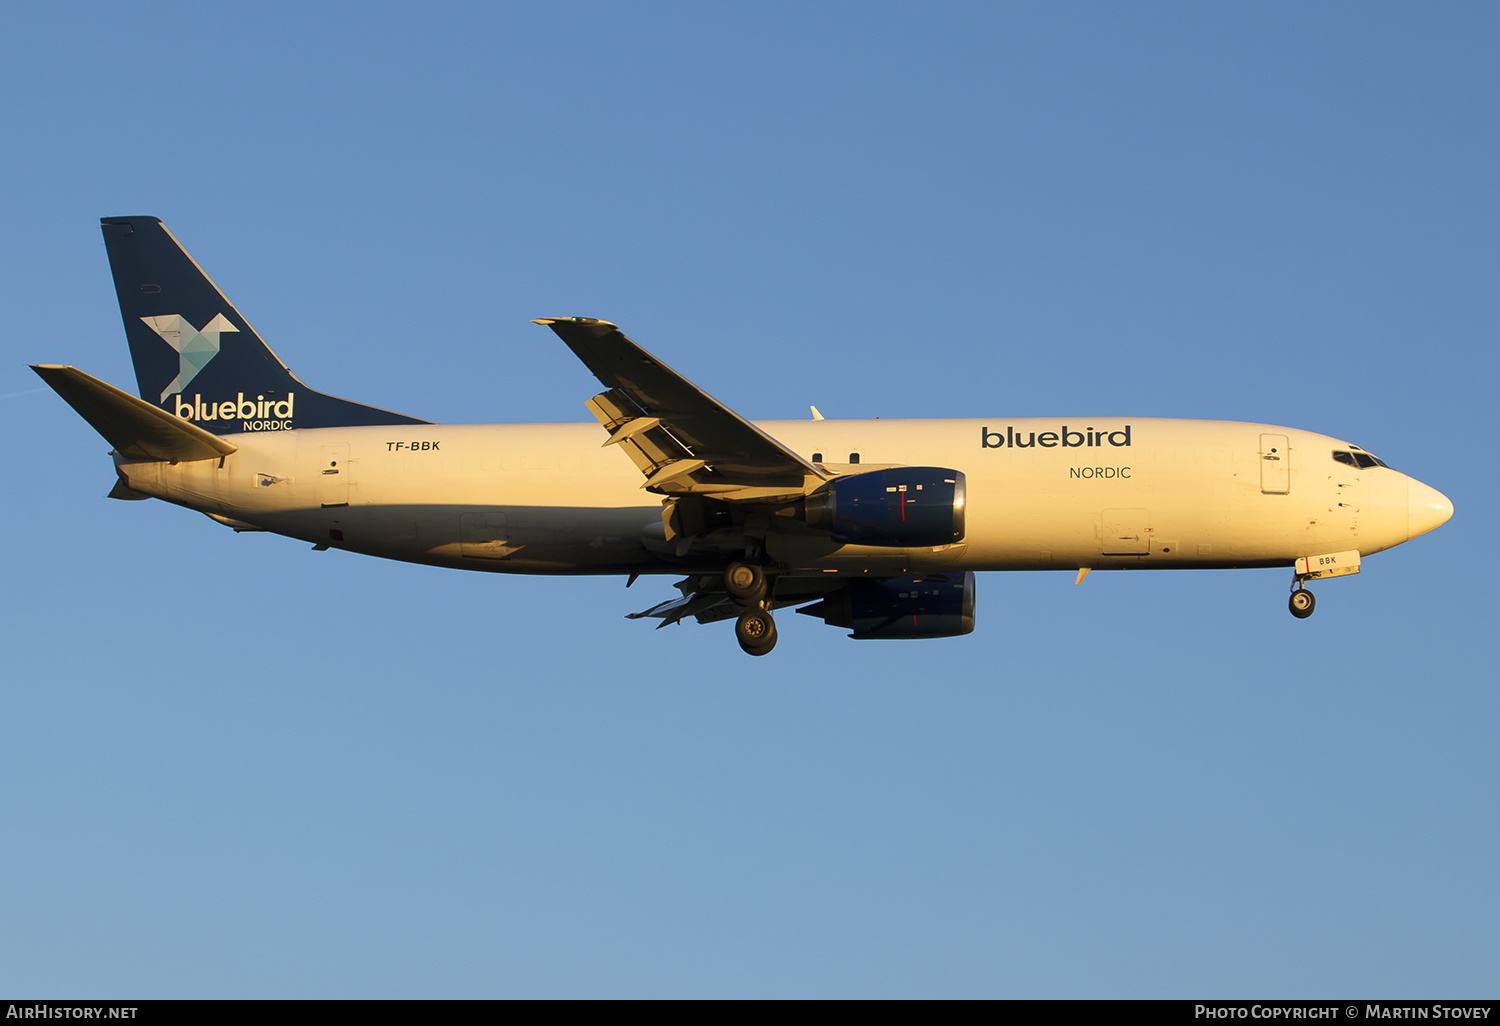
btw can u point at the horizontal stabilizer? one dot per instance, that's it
(123, 491)
(133, 426)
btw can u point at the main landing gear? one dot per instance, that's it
(755, 630)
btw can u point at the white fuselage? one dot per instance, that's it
(547, 498)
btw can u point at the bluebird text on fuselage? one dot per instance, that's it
(1067, 438)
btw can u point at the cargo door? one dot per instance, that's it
(1275, 465)
(1125, 533)
(334, 475)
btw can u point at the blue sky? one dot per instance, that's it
(235, 767)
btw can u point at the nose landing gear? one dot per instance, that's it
(1302, 602)
(1315, 568)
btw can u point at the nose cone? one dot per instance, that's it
(1429, 507)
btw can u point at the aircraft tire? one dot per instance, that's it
(1302, 603)
(745, 583)
(755, 630)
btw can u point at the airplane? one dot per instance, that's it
(874, 526)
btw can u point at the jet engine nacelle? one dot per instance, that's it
(927, 606)
(903, 506)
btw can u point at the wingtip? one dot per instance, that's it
(590, 321)
(53, 372)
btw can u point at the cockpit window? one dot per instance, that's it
(1359, 458)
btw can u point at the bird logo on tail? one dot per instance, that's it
(195, 347)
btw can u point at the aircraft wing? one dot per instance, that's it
(683, 439)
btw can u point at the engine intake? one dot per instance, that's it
(903, 506)
(926, 606)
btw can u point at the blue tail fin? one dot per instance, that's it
(196, 357)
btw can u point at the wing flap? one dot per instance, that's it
(650, 446)
(695, 603)
(704, 599)
(133, 426)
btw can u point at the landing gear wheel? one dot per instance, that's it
(1302, 603)
(755, 630)
(745, 583)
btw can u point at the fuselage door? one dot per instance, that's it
(1275, 465)
(334, 475)
(1125, 533)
